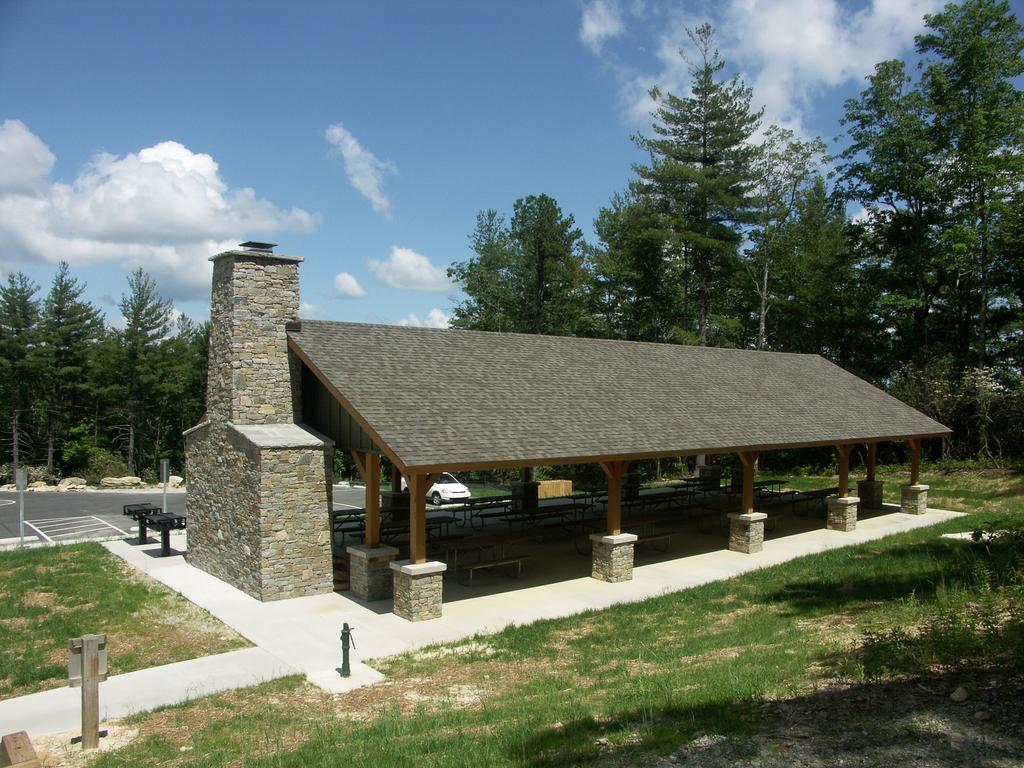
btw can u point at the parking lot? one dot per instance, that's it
(53, 517)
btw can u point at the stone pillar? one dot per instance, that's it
(417, 588)
(746, 532)
(370, 572)
(914, 499)
(842, 513)
(870, 494)
(613, 556)
(710, 476)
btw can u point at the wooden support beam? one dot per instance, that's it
(372, 481)
(418, 487)
(749, 461)
(915, 459)
(417, 518)
(872, 460)
(396, 479)
(844, 469)
(614, 470)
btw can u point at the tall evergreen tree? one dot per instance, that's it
(636, 290)
(147, 320)
(979, 123)
(699, 175)
(528, 277)
(486, 278)
(890, 168)
(67, 329)
(19, 328)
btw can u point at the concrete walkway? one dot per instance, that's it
(302, 635)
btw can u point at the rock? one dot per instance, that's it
(128, 481)
(71, 484)
(959, 695)
(37, 484)
(174, 481)
(982, 715)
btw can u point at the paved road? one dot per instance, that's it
(53, 516)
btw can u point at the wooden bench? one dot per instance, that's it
(495, 542)
(516, 560)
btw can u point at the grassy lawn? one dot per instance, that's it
(616, 687)
(50, 595)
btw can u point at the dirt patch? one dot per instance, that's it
(57, 751)
(33, 599)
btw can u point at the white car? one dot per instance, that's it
(447, 488)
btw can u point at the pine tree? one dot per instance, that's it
(68, 328)
(19, 328)
(699, 176)
(979, 122)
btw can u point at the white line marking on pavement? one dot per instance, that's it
(5, 502)
(350, 506)
(110, 524)
(40, 533)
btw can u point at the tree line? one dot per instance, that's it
(737, 234)
(88, 398)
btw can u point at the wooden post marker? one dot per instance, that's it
(87, 668)
(16, 750)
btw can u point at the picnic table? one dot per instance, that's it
(150, 516)
(495, 544)
(137, 512)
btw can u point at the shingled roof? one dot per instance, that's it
(451, 399)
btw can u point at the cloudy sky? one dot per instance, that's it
(363, 138)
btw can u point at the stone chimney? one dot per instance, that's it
(259, 484)
(255, 294)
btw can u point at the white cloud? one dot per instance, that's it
(25, 161)
(601, 21)
(787, 50)
(164, 208)
(793, 48)
(405, 268)
(434, 319)
(362, 167)
(347, 286)
(308, 309)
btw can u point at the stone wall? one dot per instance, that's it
(295, 531)
(222, 505)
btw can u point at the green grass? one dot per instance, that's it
(50, 595)
(644, 677)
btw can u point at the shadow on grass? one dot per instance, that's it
(927, 566)
(913, 721)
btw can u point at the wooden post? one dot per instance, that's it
(614, 470)
(872, 459)
(87, 667)
(844, 470)
(396, 479)
(915, 459)
(418, 485)
(749, 461)
(369, 469)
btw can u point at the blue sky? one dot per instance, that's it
(364, 137)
